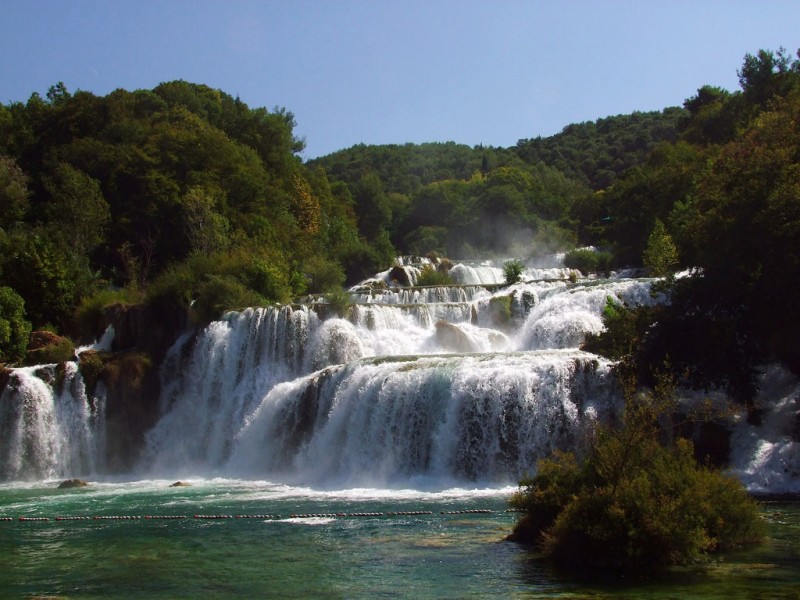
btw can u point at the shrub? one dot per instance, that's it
(339, 301)
(633, 502)
(323, 275)
(219, 294)
(624, 327)
(91, 366)
(89, 314)
(500, 310)
(512, 271)
(429, 275)
(588, 261)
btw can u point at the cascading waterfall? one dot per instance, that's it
(396, 391)
(379, 422)
(48, 426)
(421, 387)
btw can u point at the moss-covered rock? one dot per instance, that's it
(91, 366)
(46, 347)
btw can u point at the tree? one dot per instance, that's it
(13, 192)
(372, 206)
(206, 229)
(14, 328)
(77, 207)
(633, 502)
(660, 256)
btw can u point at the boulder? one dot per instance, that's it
(181, 484)
(72, 483)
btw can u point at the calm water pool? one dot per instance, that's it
(434, 555)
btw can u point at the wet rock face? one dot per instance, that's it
(399, 275)
(132, 392)
(451, 337)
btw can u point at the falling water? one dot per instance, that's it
(411, 385)
(48, 426)
(421, 387)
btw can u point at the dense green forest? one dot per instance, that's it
(183, 196)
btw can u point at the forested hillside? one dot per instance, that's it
(597, 152)
(173, 195)
(183, 197)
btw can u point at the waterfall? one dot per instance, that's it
(48, 426)
(378, 422)
(424, 387)
(390, 391)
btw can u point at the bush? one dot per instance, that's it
(219, 294)
(588, 261)
(500, 310)
(512, 271)
(429, 275)
(624, 328)
(339, 301)
(89, 314)
(323, 275)
(212, 285)
(634, 503)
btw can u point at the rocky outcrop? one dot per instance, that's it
(68, 484)
(137, 327)
(45, 347)
(132, 392)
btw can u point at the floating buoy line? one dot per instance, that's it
(265, 517)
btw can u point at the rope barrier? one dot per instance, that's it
(217, 517)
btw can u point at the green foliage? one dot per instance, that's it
(660, 256)
(61, 349)
(588, 261)
(89, 314)
(48, 275)
(14, 328)
(207, 286)
(219, 293)
(500, 310)
(430, 275)
(323, 275)
(340, 301)
(512, 271)
(77, 205)
(13, 192)
(624, 328)
(91, 366)
(595, 153)
(633, 503)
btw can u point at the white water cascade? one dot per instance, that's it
(49, 428)
(461, 385)
(411, 386)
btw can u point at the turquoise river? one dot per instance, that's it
(274, 541)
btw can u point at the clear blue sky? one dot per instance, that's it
(396, 71)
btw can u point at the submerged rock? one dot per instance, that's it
(181, 484)
(72, 483)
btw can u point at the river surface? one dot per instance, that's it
(301, 543)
